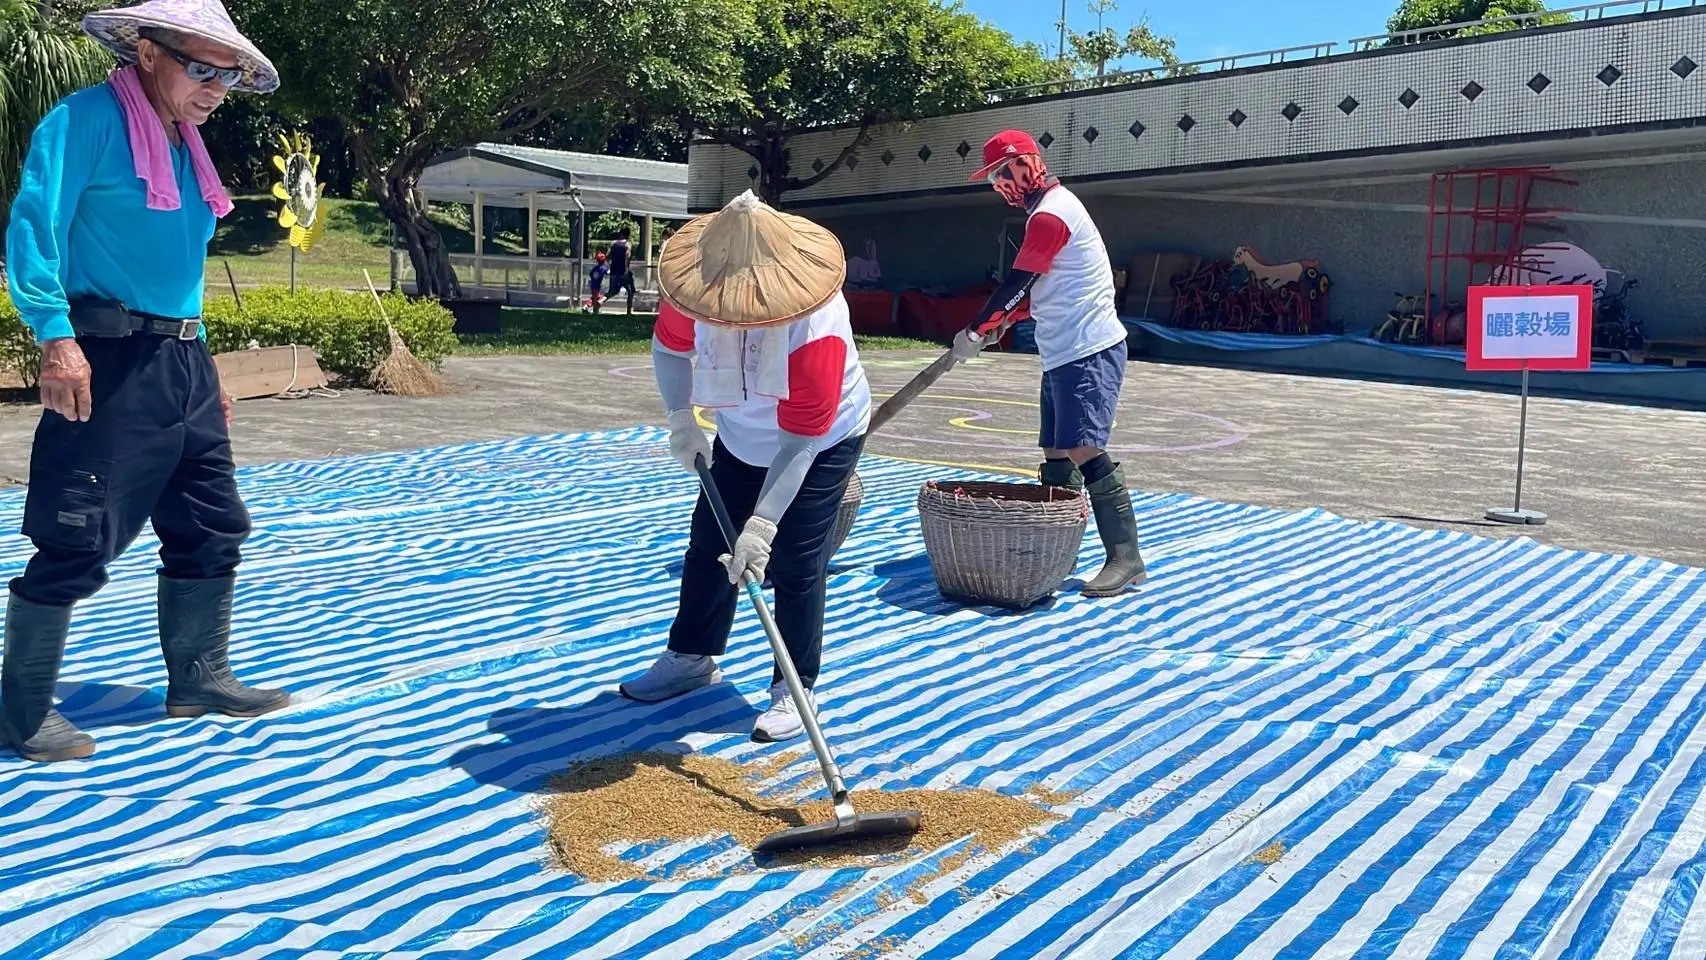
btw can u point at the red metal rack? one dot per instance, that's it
(1476, 222)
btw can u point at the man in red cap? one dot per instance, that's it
(1063, 267)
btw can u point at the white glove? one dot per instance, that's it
(967, 345)
(752, 550)
(686, 440)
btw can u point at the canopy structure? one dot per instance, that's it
(507, 176)
(535, 179)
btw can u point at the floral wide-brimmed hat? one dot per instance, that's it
(119, 29)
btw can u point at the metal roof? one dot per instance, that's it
(505, 175)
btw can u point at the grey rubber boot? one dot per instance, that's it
(1117, 524)
(35, 647)
(1061, 473)
(195, 629)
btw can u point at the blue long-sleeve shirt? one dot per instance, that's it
(81, 225)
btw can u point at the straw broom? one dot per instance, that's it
(401, 372)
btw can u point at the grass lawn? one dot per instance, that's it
(540, 332)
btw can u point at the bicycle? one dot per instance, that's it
(1404, 323)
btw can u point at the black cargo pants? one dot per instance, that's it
(156, 448)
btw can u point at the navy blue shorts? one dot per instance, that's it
(1079, 400)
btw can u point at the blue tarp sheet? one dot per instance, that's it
(1447, 746)
(1254, 342)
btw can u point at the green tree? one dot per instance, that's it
(1093, 51)
(1423, 14)
(807, 64)
(409, 80)
(42, 58)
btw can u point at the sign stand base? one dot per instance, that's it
(1516, 514)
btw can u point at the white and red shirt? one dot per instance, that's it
(1072, 301)
(828, 396)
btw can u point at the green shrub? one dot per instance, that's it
(18, 352)
(344, 328)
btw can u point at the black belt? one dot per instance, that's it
(91, 317)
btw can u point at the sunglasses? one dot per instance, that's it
(203, 72)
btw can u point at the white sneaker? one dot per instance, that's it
(782, 720)
(671, 676)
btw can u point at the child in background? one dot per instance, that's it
(596, 283)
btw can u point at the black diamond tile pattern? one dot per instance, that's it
(752, 172)
(924, 153)
(1539, 83)
(1046, 140)
(817, 165)
(1609, 75)
(1136, 129)
(1186, 123)
(963, 149)
(1684, 67)
(1237, 119)
(1090, 134)
(1408, 98)
(1348, 106)
(1471, 90)
(853, 161)
(887, 157)
(1291, 111)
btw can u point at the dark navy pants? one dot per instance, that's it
(799, 558)
(1080, 400)
(155, 449)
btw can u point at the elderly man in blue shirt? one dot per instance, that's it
(106, 248)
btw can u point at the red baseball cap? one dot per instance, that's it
(1003, 147)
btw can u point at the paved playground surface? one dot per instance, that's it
(1612, 478)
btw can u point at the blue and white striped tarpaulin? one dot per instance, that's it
(1463, 747)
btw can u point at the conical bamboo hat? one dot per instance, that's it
(750, 265)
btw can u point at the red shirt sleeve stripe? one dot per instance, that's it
(673, 328)
(815, 372)
(1045, 236)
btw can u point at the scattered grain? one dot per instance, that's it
(650, 797)
(1270, 854)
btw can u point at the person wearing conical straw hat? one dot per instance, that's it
(753, 326)
(106, 245)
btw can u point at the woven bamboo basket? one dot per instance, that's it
(1006, 544)
(846, 513)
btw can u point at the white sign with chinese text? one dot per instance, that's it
(1530, 328)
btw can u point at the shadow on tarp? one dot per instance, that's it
(93, 706)
(909, 584)
(539, 742)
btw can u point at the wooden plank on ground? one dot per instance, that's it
(269, 371)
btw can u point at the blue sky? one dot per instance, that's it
(1203, 28)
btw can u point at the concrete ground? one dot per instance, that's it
(1611, 478)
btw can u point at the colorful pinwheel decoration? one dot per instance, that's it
(300, 192)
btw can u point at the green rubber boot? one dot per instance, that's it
(1061, 473)
(195, 629)
(1116, 522)
(35, 647)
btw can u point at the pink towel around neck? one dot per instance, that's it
(152, 155)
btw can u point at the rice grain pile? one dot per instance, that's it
(652, 797)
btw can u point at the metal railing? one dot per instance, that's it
(1318, 51)
(554, 278)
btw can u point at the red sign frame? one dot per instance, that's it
(1476, 327)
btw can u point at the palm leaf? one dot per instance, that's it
(39, 65)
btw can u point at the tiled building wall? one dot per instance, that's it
(1603, 74)
(1369, 248)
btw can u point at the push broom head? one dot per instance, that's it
(845, 828)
